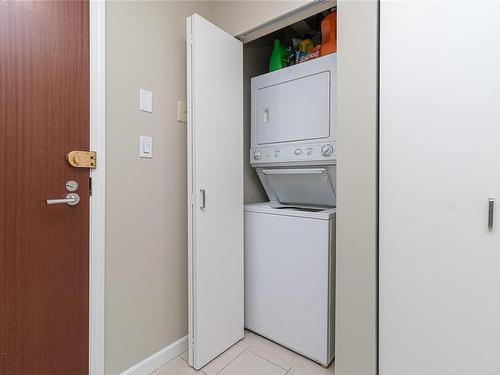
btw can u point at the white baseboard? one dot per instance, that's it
(158, 359)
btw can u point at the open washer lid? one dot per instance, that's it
(311, 186)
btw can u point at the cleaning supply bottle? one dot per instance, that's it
(329, 34)
(279, 57)
(306, 44)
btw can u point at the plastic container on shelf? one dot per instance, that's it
(306, 44)
(279, 57)
(329, 34)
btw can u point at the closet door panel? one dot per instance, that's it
(439, 166)
(215, 190)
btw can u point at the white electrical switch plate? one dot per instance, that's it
(146, 147)
(181, 111)
(146, 101)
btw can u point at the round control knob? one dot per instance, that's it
(309, 151)
(257, 155)
(327, 150)
(298, 151)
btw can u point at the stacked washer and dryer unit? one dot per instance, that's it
(290, 240)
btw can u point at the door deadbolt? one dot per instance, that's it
(82, 159)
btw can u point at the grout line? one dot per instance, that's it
(265, 340)
(185, 360)
(231, 361)
(268, 360)
(166, 363)
(272, 343)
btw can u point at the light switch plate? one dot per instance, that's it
(181, 111)
(145, 147)
(145, 100)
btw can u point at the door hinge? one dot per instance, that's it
(82, 159)
(90, 186)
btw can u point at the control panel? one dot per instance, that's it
(294, 153)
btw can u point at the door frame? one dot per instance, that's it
(97, 256)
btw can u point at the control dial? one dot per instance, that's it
(257, 155)
(327, 150)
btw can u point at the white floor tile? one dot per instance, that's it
(215, 366)
(176, 366)
(273, 352)
(253, 355)
(249, 363)
(304, 366)
(285, 358)
(249, 339)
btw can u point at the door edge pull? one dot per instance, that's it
(203, 199)
(491, 210)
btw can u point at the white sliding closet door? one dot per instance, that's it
(215, 190)
(439, 165)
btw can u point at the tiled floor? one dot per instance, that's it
(254, 355)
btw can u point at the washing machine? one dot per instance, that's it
(290, 277)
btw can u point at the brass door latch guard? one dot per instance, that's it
(82, 159)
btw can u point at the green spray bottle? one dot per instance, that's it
(279, 56)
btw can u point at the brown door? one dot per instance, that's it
(44, 249)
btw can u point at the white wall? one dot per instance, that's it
(356, 319)
(239, 16)
(146, 216)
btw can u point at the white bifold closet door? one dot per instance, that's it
(439, 166)
(215, 190)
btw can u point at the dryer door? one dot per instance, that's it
(294, 110)
(300, 186)
(295, 104)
